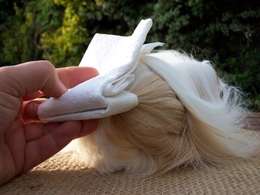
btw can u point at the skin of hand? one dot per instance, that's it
(24, 141)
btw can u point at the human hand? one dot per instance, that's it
(25, 143)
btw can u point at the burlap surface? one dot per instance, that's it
(62, 175)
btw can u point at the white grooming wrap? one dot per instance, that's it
(115, 57)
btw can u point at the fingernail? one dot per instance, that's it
(31, 110)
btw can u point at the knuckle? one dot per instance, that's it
(46, 65)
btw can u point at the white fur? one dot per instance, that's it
(214, 114)
(193, 81)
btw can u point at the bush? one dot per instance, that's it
(224, 32)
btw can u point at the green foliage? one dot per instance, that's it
(21, 32)
(224, 32)
(65, 44)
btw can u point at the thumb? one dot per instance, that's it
(30, 77)
(20, 80)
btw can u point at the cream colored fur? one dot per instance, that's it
(197, 123)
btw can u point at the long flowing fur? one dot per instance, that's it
(188, 117)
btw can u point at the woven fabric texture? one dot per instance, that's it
(63, 175)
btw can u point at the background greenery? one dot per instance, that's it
(225, 32)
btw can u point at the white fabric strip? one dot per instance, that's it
(115, 57)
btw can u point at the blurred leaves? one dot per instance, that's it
(224, 32)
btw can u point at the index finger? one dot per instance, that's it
(70, 77)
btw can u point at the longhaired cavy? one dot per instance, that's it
(186, 115)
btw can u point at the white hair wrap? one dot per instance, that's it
(115, 57)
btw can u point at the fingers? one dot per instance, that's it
(72, 76)
(88, 127)
(9, 109)
(32, 133)
(45, 140)
(39, 150)
(23, 79)
(30, 77)
(30, 110)
(33, 95)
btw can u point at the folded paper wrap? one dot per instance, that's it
(115, 57)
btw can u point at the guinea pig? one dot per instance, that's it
(186, 116)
